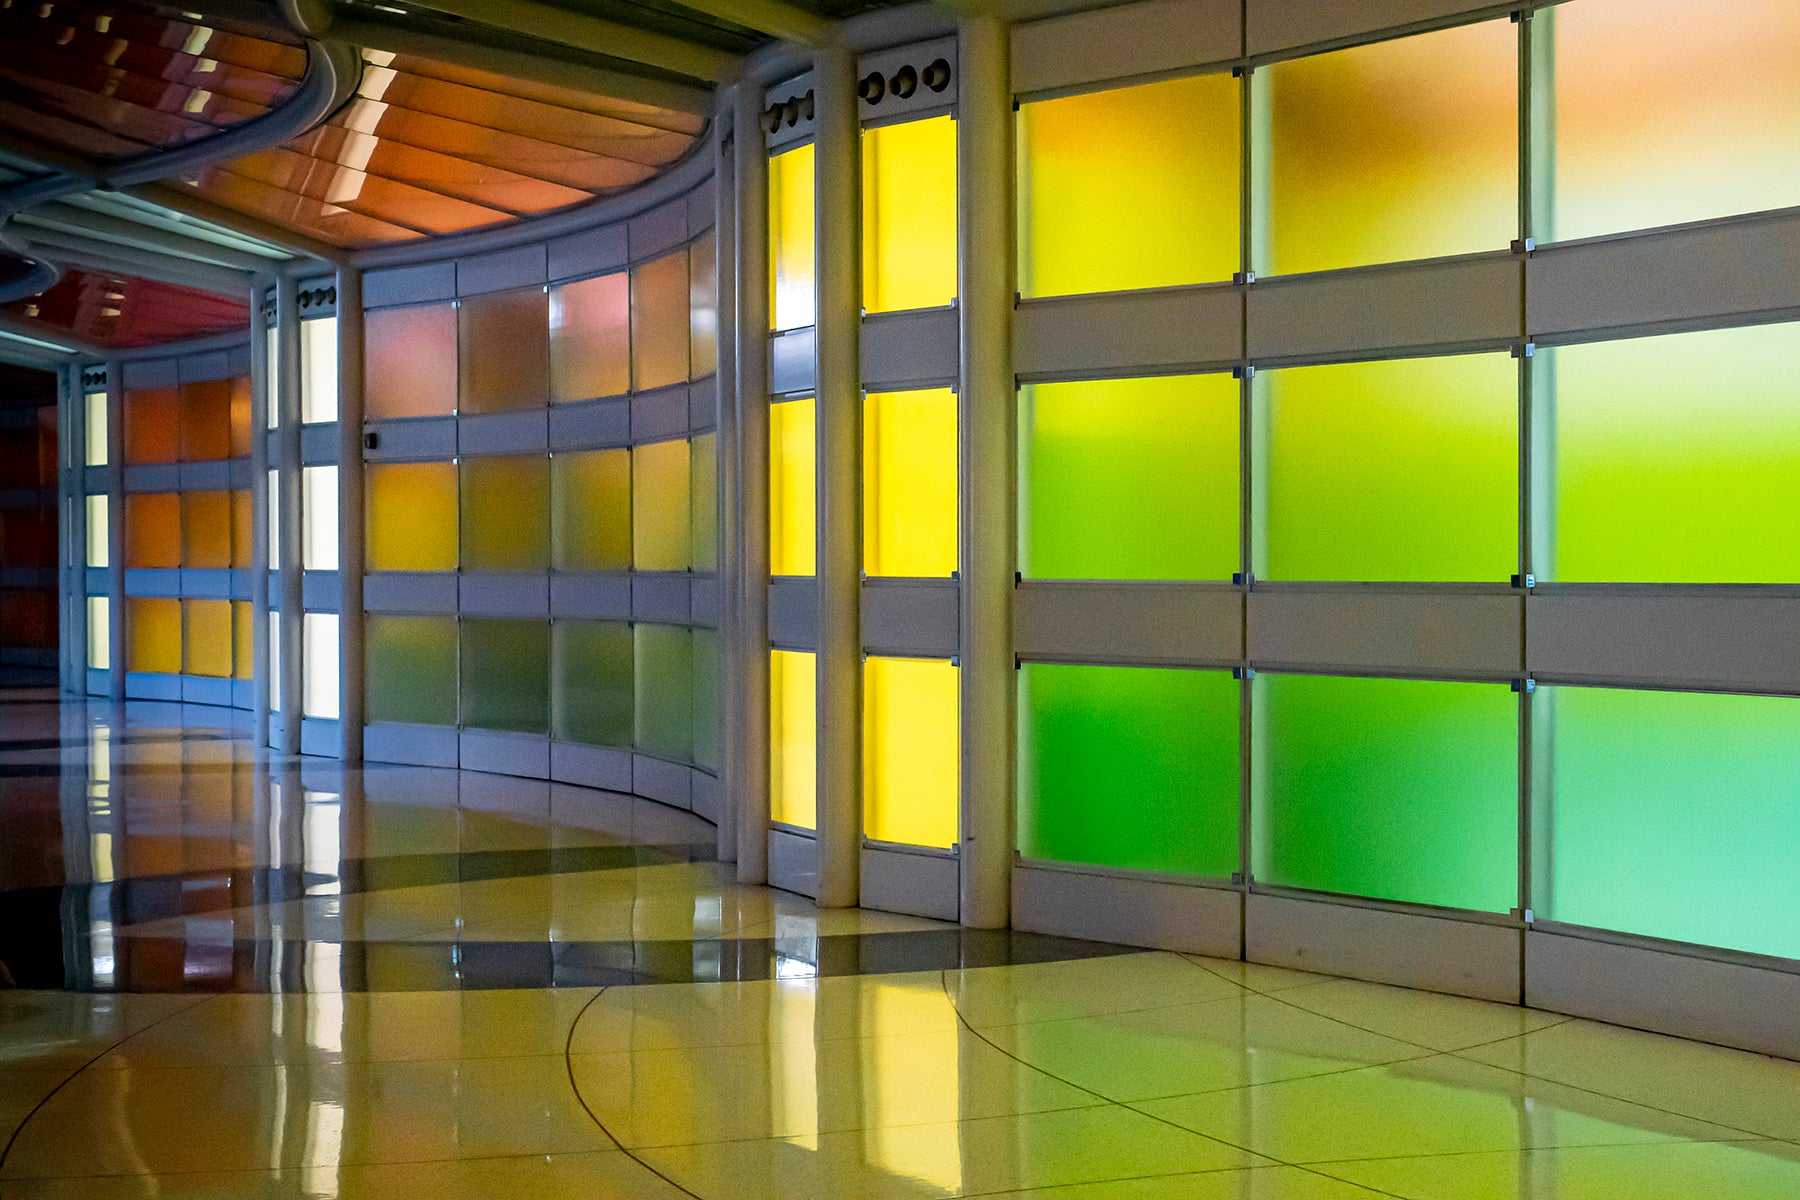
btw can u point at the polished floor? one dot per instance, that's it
(235, 978)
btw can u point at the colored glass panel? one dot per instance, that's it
(1667, 111)
(243, 527)
(703, 306)
(660, 500)
(506, 675)
(409, 362)
(1391, 470)
(911, 751)
(703, 487)
(706, 699)
(99, 633)
(272, 399)
(206, 530)
(659, 321)
(152, 425)
(793, 739)
(590, 338)
(243, 648)
(1672, 815)
(1674, 458)
(206, 420)
(909, 215)
(319, 518)
(411, 672)
(664, 675)
(909, 483)
(274, 495)
(503, 351)
(412, 516)
(153, 636)
(153, 529)
(1131, 767)
(318, 370)
(1129, 478)
(96, 429)
(274, 661)
(207, 638)
(1133, 187)
(590, 518)
(240, 417)
(506, 513)
(1395, 789)
(99, 533)
(791, 300)
(319, 690)
(1402, 149)
(792, 482)
(591, 696)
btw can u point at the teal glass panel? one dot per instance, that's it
(1672, 815)
(506, 675)
(1129, 478)
(411, 672)
(665, 691)
(591, 697)
(1400, 470)
(706, 699)
(1395, 789)
(1133, 767)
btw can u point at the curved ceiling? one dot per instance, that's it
(123, 311)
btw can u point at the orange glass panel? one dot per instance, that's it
(240, 417)
(590, 338)
(659, 322)
(153, 529)
(409, 362)
(152, 425)
(206, 521)
(153, 636)
(411, 514)
(243, 527)
(206, 420)
(207, 638)
(703, 306)
(503, 351)
(243, 628)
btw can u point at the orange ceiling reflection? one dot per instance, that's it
(125, 311)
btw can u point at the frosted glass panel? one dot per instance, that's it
(153, 529)
(318, 370)
(207, 638)
(506, 513)
(1129, 479)
(153, 633)
(659, 321)
(911, 747)
(503, 351)
(411, 515)
(206, 420)
(706, 699)
(791, 238)
(241, 431)
(243, 631)
(411, 673)
(793, 739)
(910, 483)
(590, 338)
(206, 520)
(665, 691)
(591, 683)
(1397, 150)
(506, 675)
(660, 507)
(152, 425)
(99, 633)
(243, 527)
(272, 400)
(1130, 188)
(1391, 788)
(99, 534)
(321, 684)
(319, 508)
(590, 522)
(703, 306)
(409, 362)
(274, 497)
(96, 429)
(909, 215)
(1402, 470)
(1132, 767)
(274, 662)
(704, 488)
(792, 499)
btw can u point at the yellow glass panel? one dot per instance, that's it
(791, 302)
(659, 321)
(909, 215)
(590, 510)
(506, 513)
(793, 739)
(206, 530)
(590, 338)
(660, 533)
(704, 487)
(99, 532)
(703, 306)
(153, 635)
(99, 633)
(911, 751)
(243, 629)
(1399, 150)
(1130, 188)
(792, 499)
(411, 515)
(242, 527)
(207, 637)
(909, 483)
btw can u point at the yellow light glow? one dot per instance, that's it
(791, 238)
(911, 748)
(207, 637)
(792, 479)
(793, 739)
(153, 635)
(661, 534)
(909, 483)
(99, 534)
(909, 215)
(99, 633)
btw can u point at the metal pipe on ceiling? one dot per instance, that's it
(72, 250)
(61, 218)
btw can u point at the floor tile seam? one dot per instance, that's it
(1193, 960)
(1101, 1016)
(1266, 1083)
(1272, 1166)
(1664, 1143)
(292, 1168)
(316, 1063)
(748, 1045)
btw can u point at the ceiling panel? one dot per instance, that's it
(124, 311)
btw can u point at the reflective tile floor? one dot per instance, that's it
(226, 978)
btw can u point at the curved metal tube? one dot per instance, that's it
(43, 276)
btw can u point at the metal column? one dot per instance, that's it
(289, 553)
(115, 530)
(730, 512)
(260, 400)
(350, 513)
(71, 490)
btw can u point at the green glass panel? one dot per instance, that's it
(506, 513)
(590, 682)
(1129, 478)
(665, 691)
(1402, 470)
(1131, 767)
(590, 499)
(1390, 788)
(703, 485)
(706, 699)
(1672, 815)
(1676, 458)
(506, 675)
(411, 669)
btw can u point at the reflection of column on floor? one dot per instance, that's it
(353, 847)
